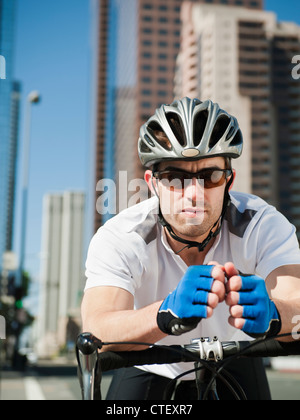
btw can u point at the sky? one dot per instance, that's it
(54, 56)
(288, 10)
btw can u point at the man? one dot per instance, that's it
(195, 260)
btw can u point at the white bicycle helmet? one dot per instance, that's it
(189, 129)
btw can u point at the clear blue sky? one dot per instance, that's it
(53, 55)
(288, 10)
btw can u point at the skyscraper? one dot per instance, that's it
(242, 59)
(116, 91)
(285, 45)
(9, 105)
(138, 44)
(62, 266)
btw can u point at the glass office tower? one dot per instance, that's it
(9, 99)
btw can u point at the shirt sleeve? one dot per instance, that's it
(276, 243)
(107, 264)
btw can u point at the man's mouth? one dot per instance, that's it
(193, 211)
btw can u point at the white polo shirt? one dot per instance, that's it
(131, 252)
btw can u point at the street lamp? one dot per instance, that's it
(32, 98)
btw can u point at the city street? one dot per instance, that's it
(44, 382)
(58, 382)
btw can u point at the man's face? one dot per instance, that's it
(191, 208)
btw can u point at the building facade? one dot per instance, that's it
(62, 268)
(9, 113)
(285, 45)
(242, 59)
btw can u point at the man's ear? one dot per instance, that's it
(151, 181)
(233, 179)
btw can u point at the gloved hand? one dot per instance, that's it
(184, 308)
(259, 311)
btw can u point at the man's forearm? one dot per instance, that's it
(290, 318)
(128, 325)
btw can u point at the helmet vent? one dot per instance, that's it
(176, 125)
(159, 135)
(148, 140)
(199, 126)
(144, 148)
(219, 130)
(237, 140)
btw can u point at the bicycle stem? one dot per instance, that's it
(206, 349)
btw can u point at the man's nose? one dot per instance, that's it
(194, 190)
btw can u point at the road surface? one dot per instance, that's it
(53, 382)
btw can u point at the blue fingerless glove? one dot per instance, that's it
(184, 308)
(259, 311)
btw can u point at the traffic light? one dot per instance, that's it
(19, 295)
(19, 304)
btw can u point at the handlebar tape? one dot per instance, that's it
(155, 355)
(269, 348)
(176, 354)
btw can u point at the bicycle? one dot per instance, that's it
(209, 356)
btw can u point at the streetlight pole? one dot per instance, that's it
(33, 98)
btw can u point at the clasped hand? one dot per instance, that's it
(201, 290)
(251, 308)
(198, 293)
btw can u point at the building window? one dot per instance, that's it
(162, 68)
(146, 105)
(146, 92)
(163, 44)
(162, 93)
(162, 81)
(163, 19)
(162, 56)
(146, 79)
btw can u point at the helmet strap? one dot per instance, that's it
(190, 244)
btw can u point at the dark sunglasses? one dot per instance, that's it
(212, 178)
